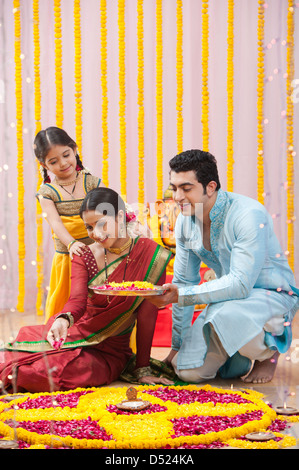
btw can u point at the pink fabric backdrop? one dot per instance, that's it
(245, 123)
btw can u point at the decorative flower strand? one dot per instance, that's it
(37, 114)
(122, 96)
(140, 102)
(20, 177)
(290, 133)
(260, 103)
(78, 75)
(58, 63)
(103, 8)
(179, 74)
(178, 417)
(230, 95)
(159, 97)
(205, 77)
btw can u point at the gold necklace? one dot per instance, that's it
(119, 250)
(68, 183)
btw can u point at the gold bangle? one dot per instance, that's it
(70, 244)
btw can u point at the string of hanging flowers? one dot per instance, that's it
(159, 97)
(230, 95)
(140, 102)
(37, 114)
(179, 74)
(122, 96)
(103, 8)
(205, 69)
(260, 103)
(20, 169)
(58, 63)
(290, 132)
(78, 75)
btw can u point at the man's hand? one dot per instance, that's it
(170, 296)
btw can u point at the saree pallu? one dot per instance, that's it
(59, 285)
(97, 348)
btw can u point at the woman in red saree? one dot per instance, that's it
(87, 343)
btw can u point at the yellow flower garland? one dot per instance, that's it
(58, 63)
(37, 114)
(19, 128)
(230, 93)
(205, 69)
(140, 99)
(137, 430)
(260, 103)
(179, 74)
(78, 75)
(122, 96)
(103, 8)
(290, 132)
(159, 97)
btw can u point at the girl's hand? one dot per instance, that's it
(152, 380)
(58, 332)
(77, 248)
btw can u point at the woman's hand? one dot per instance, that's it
(77, 248)
(58, 332)
(152, 380)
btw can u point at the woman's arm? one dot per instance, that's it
(58, 228)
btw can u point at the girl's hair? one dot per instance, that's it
(104, 200)
(46, 139)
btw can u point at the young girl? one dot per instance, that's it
(61, 199)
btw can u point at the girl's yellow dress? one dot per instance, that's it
(59, 287)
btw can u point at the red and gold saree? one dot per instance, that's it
(97, 346)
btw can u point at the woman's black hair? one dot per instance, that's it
(203, 163)
(46, 139)
(104, 200)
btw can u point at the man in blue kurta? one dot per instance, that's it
(250, 304)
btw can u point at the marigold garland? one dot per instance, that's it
(205, 77)
(179, 74)
(88, 418)
(122, 96)
(230, 94)
(78, 75)
(140, 102)
(103, 8)
(159, 96)
(20, 177)
(37, 114)
(58, 63)
(290, 132)
(260, 103)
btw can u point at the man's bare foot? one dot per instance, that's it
(263, 372)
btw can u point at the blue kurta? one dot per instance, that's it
(251, 291)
